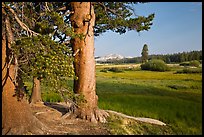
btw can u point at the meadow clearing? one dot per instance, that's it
(175, 99)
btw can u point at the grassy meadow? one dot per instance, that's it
(175, 99)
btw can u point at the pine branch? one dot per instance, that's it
(108, 9)
(22, 25)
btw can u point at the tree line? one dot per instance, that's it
(167, 58)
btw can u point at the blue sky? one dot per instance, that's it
(177, 27)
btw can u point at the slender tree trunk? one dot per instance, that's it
(83, 21)
(17, 117)
(36, 92)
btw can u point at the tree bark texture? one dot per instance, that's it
(36, 92)
(83, 21)
(17, 117)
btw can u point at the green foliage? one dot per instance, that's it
(184, 64)
(168, 58)
(144, 53)
(116, 70)
(118, 17)
(189, 70)
(120, 69)
(63, 93)
(41, 57)
(52, 97)
(194, 63)
(113, 69)
(155, 65)
(104, 70)
(132, 69)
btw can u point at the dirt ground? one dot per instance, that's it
(52, 115)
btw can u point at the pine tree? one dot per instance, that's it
(71, 24)
(144, 53)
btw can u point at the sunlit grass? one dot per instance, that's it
(151, 75)
(175, 99)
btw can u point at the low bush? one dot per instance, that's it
(189, 70)
(116, 70)
(112, 70)
(200, 61)
(104, 70)
(155, 65)
(185, 64)
(194, 63)
(132, 69)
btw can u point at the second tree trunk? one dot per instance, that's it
(36, 93)
(83, 21)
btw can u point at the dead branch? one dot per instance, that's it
(9, 64)
(76, 52)
(146, 120)
(62, 8)
(23, 25)
(46, 7)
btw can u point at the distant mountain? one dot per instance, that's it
(129, 57)
(111, 57)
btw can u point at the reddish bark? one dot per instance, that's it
(17, 117)
(36, 92)
(83, 21)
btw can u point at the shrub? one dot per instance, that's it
(195, 63)
(185, 64)
(200, 61)
(116, 70)
(104, 70)
(189, 70)
(132, 69)
(112, 70)
(155, 65)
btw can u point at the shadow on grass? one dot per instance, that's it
(181, 110)
(136, 89)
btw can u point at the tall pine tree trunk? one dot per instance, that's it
(83, 21)
(17, 117)
(36, 92)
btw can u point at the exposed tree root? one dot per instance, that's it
(99, 115)
(146, 120)
(96, 115)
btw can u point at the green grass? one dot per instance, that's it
(123, 126)
(175, 99)
(48, 95)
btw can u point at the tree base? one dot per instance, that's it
(36, 128)
(94, 115)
